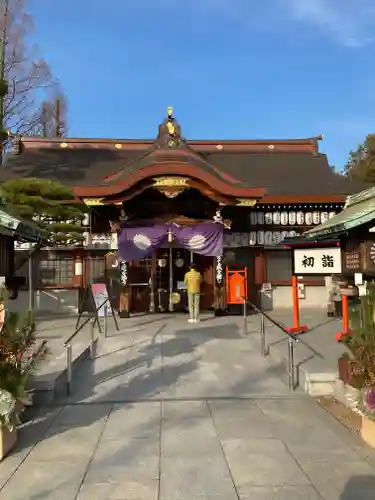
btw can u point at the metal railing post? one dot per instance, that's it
(69, 369)
(92, 339)
(244, 317)
(291, 364)
(263, 335)
(105, 321)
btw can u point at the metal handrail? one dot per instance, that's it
(292, 339)
(68, 343)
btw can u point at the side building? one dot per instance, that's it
(262, 191)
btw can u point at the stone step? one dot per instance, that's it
(317, 383)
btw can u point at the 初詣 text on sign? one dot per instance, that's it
(317, 261)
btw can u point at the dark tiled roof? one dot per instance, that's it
(280, 173)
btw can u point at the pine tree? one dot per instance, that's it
(50, 205)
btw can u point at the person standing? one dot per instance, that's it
(193, 281)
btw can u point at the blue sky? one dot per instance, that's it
(231, 69)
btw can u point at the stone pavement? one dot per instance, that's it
(173, 411)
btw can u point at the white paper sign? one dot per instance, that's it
(317, 260)
(358, 279)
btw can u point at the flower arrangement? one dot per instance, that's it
(18, 355)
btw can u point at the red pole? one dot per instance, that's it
(296, 324)
(345, 315)
(297, 328)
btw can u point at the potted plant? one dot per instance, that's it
(18, 355)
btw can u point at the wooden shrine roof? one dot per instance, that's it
(269, 169)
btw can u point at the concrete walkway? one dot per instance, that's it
(173, 411)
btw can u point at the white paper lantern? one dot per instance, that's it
(316, 217)
(331, 214)
(252, 238)
(276, 237)
(244, 239)
(260, 217)
(268, 218)
(260, 238)
(284, 235)
(292, 233)
(284, 218)
(292, 218)
(323, 217)
(300, 218)
(253, 218)
(276, 218)
(268, 238)
(308, 218)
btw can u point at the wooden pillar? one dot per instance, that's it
(297, 327)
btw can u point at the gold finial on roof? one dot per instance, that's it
(170, 111)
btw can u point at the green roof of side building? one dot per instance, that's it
(359, 209)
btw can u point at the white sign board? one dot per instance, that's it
(317, 260)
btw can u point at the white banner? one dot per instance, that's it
(317, 261)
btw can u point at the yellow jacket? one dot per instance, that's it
(193, 281)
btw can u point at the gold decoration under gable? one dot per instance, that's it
(93, 202)
(246, 202)
(171, 187)
(170, 181)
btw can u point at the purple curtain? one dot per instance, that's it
(136, 242)
(205, 239)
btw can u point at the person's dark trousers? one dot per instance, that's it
(338, 309)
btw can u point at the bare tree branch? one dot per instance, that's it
(32, 90)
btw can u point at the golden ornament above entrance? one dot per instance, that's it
(171, 187)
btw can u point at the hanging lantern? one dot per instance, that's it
(252, 238)
(284, 235)
(260, 238)
(323, 217)
(276, 218)
(300, 218)
(292, 218)
(253, 218)
(331, 214)
(284, 218)
(268, 218)
(276, 237)
(308, 218)
(268, 238)
(316, 217)
(260, 217)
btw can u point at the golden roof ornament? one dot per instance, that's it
(170, 131)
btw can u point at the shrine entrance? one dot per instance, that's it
(156, 282)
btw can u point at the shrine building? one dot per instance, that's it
(224, 204)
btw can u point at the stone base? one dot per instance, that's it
(8, 439)
(368, 431)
